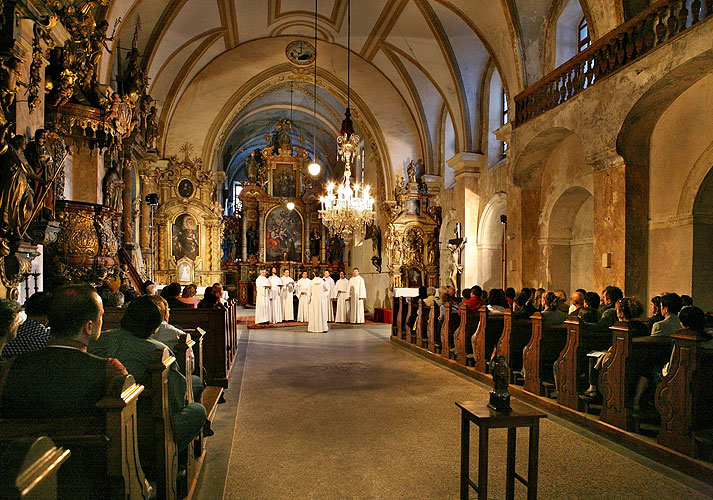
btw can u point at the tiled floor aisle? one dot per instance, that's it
(348, 415)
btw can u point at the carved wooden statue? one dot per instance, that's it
(499, 396)
(112, 189)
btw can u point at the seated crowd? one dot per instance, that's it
(57, 362)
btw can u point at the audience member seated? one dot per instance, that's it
(62, 380)
(510, 295)
(189, 295)
(670, 306)
(611, 295)
(132, 345)
(577, 301)
(148, 288)
(686, 301)
(431, 298)
(219, 290)
(552, 315)
(474, 302)
(9, 322)
(32, 334)
(562, 301)
(129, 295)
(169, 335)
(690, 317)
(171, 292)
(656, 315)
(114, 299)
(210, 300)
(538, 300)
(497, 303)
(627, 310)
(591, 306)
(521, 308)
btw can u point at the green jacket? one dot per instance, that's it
(135, 354)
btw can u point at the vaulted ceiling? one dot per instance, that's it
(413, 62)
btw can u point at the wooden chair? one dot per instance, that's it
(105, 458)
(28, 468)
(572, 363)
(620, 373)
(516, 334)
(684, 396)
(541, 352)
(486, 336)
(466, 329)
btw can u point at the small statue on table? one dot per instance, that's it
(500, 396)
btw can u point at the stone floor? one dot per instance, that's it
(349, 415)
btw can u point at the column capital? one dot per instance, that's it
(466, 163)
(605, 159)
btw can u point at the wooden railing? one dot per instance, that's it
(661, 22)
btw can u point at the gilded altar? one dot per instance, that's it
(188, 231)
(412, 234)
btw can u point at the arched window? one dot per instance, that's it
(583, 39)
(505, 120)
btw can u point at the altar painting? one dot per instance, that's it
(185, 237)
(284, 184)
(283, 235)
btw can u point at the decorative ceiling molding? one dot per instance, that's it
(335, 19)
(382, 28)
(229, 20)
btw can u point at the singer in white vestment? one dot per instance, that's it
(357, 296)
(275, 297)
(303, 297)
(330, 295)
(288, 292)
(341, 291)
(263, 288)
(318, 290)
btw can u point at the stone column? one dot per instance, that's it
(467, 168)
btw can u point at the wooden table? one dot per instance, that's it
(486, 419)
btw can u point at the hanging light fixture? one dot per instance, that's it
(314, 167)
(347, 211)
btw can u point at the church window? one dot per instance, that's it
(583, 40)
(505, 120)
(237, 189)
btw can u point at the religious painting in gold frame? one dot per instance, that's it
(284, 235)
(284, 182)
(185, 237)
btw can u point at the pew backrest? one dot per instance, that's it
(486, 336)
(28, 468)
(541, 351)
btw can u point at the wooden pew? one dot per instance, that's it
(424, 314)
(404, 307)
(28, 468)
(412, 309)
(156, 444)
(434, 335)
(486, 336)
(462, 337)
(620, 373)
(449, 325)
(684, 397)
(572, 361)
(105, 459)
(516, 334)
(395, 316)
(541, 352)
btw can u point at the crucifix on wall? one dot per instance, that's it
(455, 245)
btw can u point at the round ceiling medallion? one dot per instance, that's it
(300, 52)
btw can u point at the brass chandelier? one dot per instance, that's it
(351, 208)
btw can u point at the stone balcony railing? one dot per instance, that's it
(660, 23)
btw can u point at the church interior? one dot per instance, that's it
(516, 185)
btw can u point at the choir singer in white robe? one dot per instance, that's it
(288, 292)
(303, 297)
(332, 293)
(357, 296)
(341, 290)
(263, 311)
(275, 297)
(318, 290)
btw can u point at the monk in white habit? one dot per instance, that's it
(341, 291)
(303, 297)
(288, 292)
(276, 297)
(263, 289)
(357, 296)
(318, 290)
(332, 293)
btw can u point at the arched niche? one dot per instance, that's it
(490, 243)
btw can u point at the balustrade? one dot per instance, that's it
(653, 27)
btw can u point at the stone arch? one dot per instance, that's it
(567, 244)
(489, 244)
(529, 163)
